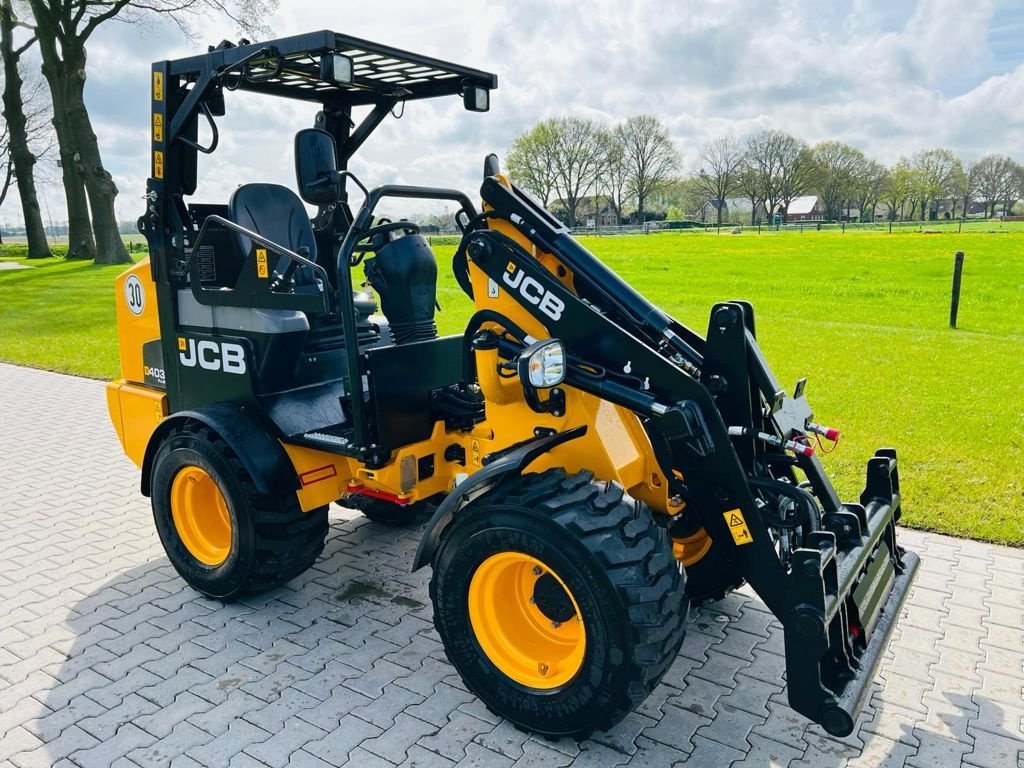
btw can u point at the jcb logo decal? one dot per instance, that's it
(531, 290)
(212, 355)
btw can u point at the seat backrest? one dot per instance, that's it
(274, 212)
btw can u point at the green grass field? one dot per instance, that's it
(864, 317)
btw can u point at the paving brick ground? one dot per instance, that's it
(107, 658)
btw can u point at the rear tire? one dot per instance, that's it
(231, 541)
(573, 653)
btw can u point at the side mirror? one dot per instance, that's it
(316, 166)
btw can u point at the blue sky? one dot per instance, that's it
(889, 76)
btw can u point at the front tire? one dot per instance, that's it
(559, 602)
(223, 537)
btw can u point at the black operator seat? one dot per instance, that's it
(276, 213)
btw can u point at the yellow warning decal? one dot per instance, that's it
(737, 527)
(158, 127)
(158, 165)
(261, 263)
(181, 343)
(158, 86)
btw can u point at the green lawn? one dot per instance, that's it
(864, 317)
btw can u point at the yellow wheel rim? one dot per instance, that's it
(526, 620)
(692, 548)
(200, 515)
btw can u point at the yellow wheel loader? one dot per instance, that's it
(591, 465)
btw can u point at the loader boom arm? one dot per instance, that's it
(839, 595)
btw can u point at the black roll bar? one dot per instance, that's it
(345, 303)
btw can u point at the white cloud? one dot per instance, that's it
(889, 76)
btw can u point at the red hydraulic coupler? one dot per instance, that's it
(829, 433)
(790, 445)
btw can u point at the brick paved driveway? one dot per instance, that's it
(106, 658)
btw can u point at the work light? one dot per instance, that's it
(336, 68)
(476, 98)
(542, 364)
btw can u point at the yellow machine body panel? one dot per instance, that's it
(615, 446)
(325, 477)
(137, 323)
(136, 407)
(135, 412)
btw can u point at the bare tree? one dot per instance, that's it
(869, 184)
(531, 160)
(577, 160)
(22, 124)
(720, 168)
(63, 28)
(934, 167)
(749, 183)
(997, 178)
(962, 185)
(898, 188)
(613, 177)
(1011, 187)
(796, 170)
(1018, 188)
(991, 175)
(837, 166)
(650, 156)
(785, 167)
(763, 161)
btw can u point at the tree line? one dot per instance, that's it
(53, 34)
(571, 158)
(566, 160)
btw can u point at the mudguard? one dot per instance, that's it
(510, 462)
(255, 445)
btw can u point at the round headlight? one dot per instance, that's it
(542, 364)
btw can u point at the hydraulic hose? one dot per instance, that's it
(805, 503)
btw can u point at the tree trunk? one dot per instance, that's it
(98, 182)
(21, 157)
(80, 237)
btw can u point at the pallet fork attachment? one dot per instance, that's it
(844, 598)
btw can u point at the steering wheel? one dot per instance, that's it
(378, 236)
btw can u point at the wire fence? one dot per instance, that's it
(1009, 224)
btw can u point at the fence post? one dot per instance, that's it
(954, 302)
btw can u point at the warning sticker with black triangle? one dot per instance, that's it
(737, 526)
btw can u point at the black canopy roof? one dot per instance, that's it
(290, 67)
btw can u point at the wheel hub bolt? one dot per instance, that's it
(542, 668)
(556, 624)
(537, 570)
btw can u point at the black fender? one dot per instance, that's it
(510, 462)
(255, 444)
